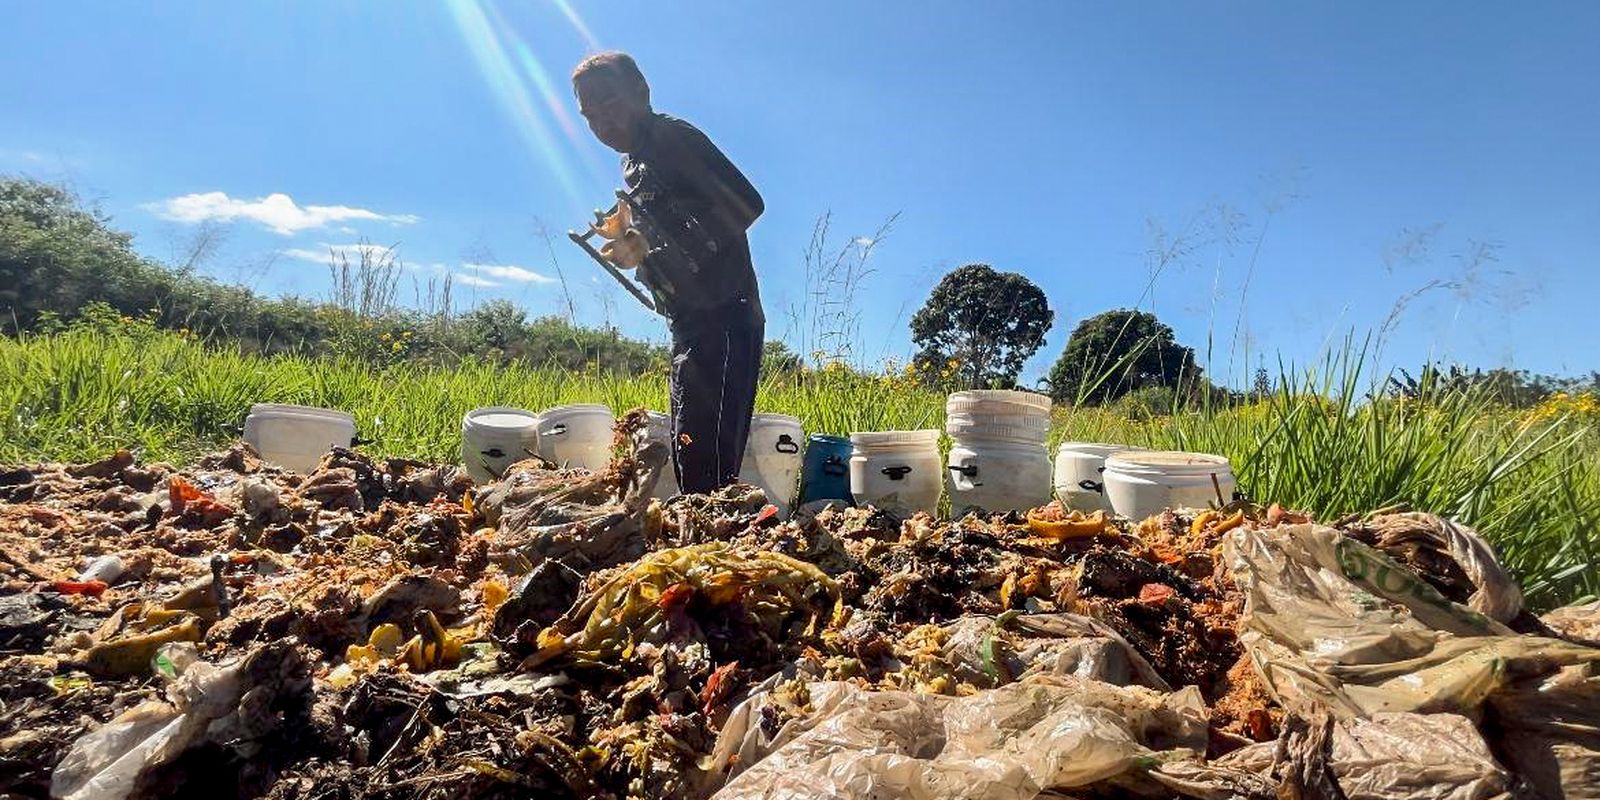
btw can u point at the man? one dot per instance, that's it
(715, 310)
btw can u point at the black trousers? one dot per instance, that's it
(716, 359)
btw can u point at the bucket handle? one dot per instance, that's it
(897, 473)
(835, 466)
(786, 444)
(559, 429)
(494, 452)
(967, 471)
(1093, 486)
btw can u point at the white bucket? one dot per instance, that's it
(772, 457)
(577, 435)
(897, 471)
(997, 401)
(1029, 428)
(1140, 484)
(296, 437)
(659, 429)
(1079, 481)
(496, 437)
(998, 475)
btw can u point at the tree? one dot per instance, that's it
(1115, 352)
(989, 322)
(778, 359)
(1263, 383)
(56, 255)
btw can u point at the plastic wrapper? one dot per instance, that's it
(1549, 732)
(1576, 622)
(233, 705)
(1391, 756)
(1495, 595)
(1330, 621)
(1011, 743)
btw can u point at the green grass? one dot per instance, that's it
(1530, 483)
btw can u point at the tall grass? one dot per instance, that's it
(1320, 442)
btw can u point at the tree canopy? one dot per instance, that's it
(989, 322)
(1116, 352)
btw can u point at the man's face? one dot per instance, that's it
(613, 108)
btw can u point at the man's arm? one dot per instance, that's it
(699, 167)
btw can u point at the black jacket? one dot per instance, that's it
(704, 184)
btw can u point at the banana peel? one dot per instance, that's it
(1076, 526)
(383, 643)
(432, 648)
(129, 656)
(1224, 524)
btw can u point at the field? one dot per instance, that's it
(1529, 480)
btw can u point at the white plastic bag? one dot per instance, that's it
(1010, 743)
(1576, 622)
(1497, 596)
(231, 704)
(1549, 732)
(1330, 621)
(1390, 757)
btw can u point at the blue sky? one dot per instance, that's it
(1426, 169)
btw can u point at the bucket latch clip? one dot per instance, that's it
(1092, 486)
(494, 452)
(787, 444)
(897, 473)
(834, 466)
(968, 471)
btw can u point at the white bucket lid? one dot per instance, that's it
(285, 409)
(1099, 449)
(894, 438)
(1167, 460)
(575, 408)
(1031, 400)
(1010, 433)
(783, 420)
(500, 419)
(1039, 421)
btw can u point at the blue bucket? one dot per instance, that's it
(825, 473)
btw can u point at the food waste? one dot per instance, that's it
(385, 628)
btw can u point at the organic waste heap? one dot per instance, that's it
(382, 628)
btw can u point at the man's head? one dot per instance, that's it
(613, 97)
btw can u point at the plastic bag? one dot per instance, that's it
(1549, 732)
(1497, 596)
(1010, 743)
(234, 704)
(989, 651)
(1387, 757)
(1576, 622)
(1330, 621)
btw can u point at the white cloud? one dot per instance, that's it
(510, 272)
(470, 279)
(277, 211)
(323, 252)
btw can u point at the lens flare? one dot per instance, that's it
(516, 76)
(571, 14)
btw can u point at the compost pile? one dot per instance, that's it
(383, 628)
